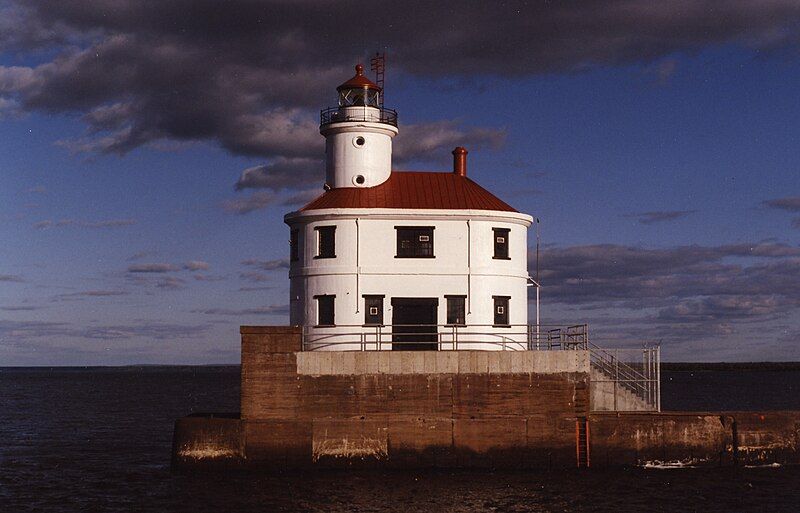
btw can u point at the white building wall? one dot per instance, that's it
(358, 149)
(365, 263)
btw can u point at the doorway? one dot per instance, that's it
(414, 322)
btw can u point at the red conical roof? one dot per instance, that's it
(359, 81)
(414, 190)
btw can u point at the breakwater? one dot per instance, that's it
(525, 409)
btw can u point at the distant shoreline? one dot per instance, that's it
(729, 366)
(665, 366)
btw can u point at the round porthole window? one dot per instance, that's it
(359, 141)
(359, 180)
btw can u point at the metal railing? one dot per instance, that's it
(446, 337)
(629, 372)
(633, 376)
(370, 114)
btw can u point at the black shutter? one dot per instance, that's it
(325, 310)
(327, 242)
(501, 243)
(373, 310)
(456, 310)
(501, 310)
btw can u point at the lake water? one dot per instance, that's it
(100, 440)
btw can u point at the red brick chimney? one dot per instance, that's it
(460, 161)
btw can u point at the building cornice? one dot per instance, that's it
(389, 214)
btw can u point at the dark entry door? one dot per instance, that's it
(414, 323)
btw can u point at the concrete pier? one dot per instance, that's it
(526, 409)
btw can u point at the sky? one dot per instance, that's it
(149, 150)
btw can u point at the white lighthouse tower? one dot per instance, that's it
(402, 260)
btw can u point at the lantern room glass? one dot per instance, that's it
(359, 97)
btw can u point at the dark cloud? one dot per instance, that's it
(723, 308)
(282, 173)
(255, 289)
(111, 223)
(262, 199)
(170, 282)
(264, 310)
(20, 308)
(152, 268)
(250, 76)
(685, 293)
(254, 276)
(21, 331)
(660, 216)
(91, 293)
(196, 265)
(256, 201)
(208, 277)
(12, 278)
(789, 204)
(267, 265)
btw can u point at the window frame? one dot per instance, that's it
(451, 297)
(326, 229)
(503, 301)
(505, 233)
(374, 297)
(319, 310)
(430, 229)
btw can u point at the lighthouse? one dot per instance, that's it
(402, 260)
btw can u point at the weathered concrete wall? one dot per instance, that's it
(767, 437)
(198, 440)
(453, 409)
(317, 363)
(610, 396)
(460, 408)
(718, 438)
(638, 438)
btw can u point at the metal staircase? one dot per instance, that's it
(630, 376)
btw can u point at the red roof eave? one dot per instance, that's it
(414, 190)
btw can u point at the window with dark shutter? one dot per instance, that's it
(294, 246)
(373, 310)
(326, 241)
(501, 243)
(456, 310)
(325, 311)
(414, 241)
(501, 310)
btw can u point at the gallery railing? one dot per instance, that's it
(446, 337)
(357, 114)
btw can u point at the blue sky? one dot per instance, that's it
(141, 215)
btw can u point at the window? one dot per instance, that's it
(294, 246)
(456, 311)
(373, 310)
(501, 243)
(326, 241)
(414, 241)
(501, 310)
(325, 315)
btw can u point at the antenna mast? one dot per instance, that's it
(378, 65)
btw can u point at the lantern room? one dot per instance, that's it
(359, 91)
